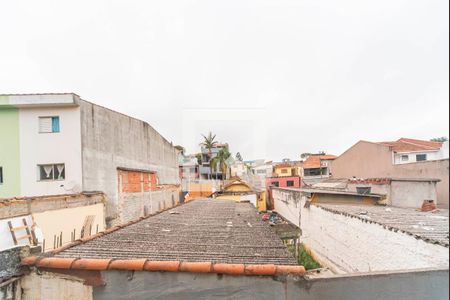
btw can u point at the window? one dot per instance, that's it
(421, 157)
(48, 124)
(1, 175)
(51, 172)
(277, 184)
(405, 157)
(284, 171)
(290, 183)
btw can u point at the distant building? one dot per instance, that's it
(189, 168)
(409, 150)
(285, 169)
(316, 166)
(426, 160)
(56, 144)
(239, 190)
(205, 169)
(262, 169)
(238, 168)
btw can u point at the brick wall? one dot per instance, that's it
(137, 181)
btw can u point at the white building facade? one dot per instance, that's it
(60, 144)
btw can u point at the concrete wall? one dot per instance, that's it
(400, 193)
(350, 245)
(62, 222)
(135, 205)
(54, 286)
(412, 194)
(287, 204)
(370, 160)
(111, 140)
(51, 217)
(432, 284)
(11, 289)
(50, 148)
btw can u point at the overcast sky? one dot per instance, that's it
(274, 79)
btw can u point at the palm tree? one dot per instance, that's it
(209, 142)
(221, 160)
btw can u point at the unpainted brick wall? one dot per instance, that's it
(137, 181)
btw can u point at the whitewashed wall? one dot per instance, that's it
(356, 246)
(48, 148)
(431, 155)
(349, 245)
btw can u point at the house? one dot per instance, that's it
(316, 166)
(189, 168)
(55, 144)
(410, 150)
(239, 190)
(285, 169)
(207, 155)
(238, 168)
(384, 160)
(349, 233)
(262, 169)
(50, 221)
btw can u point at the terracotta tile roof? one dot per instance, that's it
(164, 266)
(314, 161)
(204, 234)
(405, 145)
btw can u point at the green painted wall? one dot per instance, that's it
(9, 152)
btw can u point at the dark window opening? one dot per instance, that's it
(52, 172)
(290, 183)
(421, 157)
(1, 175)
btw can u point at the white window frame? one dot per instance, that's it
(39, 179)
(51, 120)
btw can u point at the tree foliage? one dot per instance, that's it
(440, 139)
(220, 161)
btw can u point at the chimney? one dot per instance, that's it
(428, 205)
